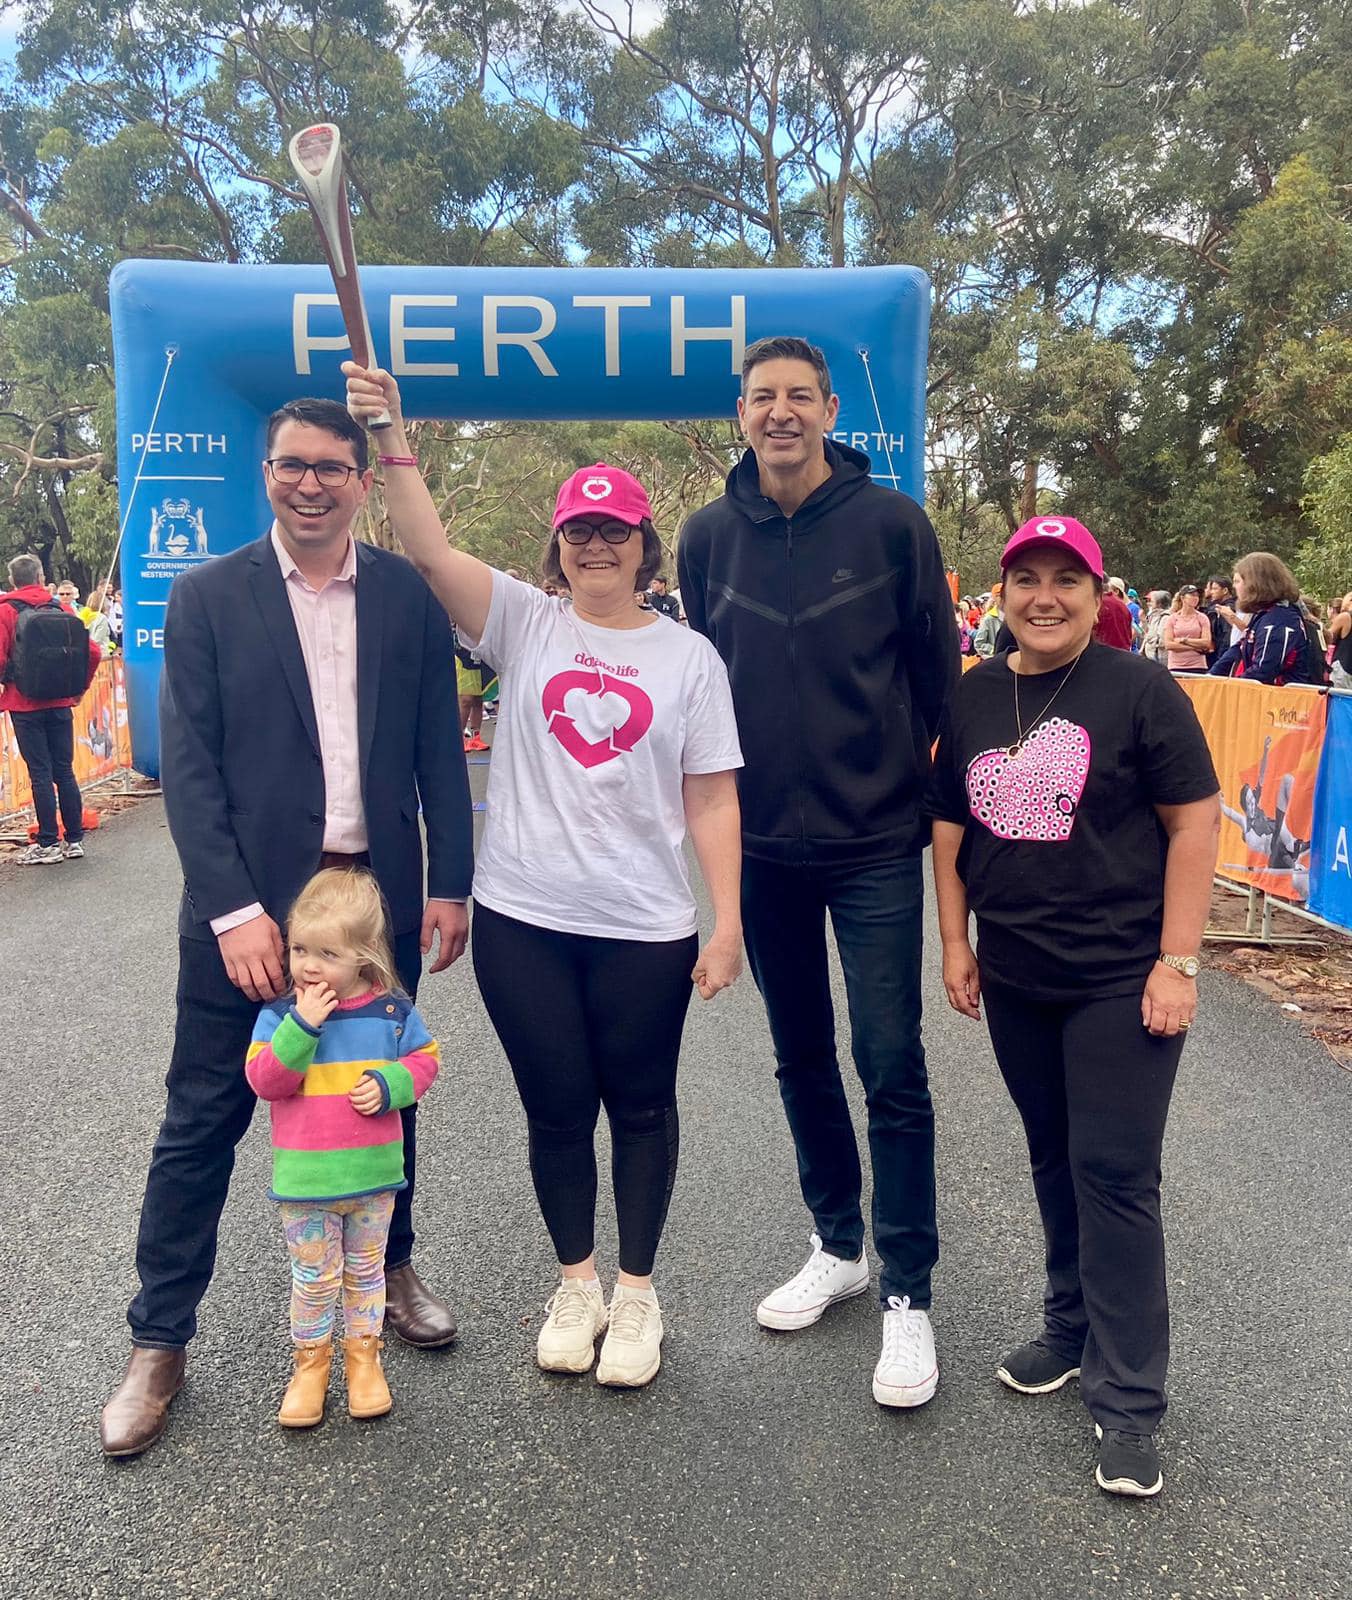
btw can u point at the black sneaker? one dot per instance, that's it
(1128, 1463)
(1035, 1368)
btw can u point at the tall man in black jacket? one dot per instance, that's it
(307, 708)
(826, 596)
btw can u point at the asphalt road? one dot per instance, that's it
(757, 1464)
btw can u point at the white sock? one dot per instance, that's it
(631, 1291)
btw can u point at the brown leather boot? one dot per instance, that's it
(414, 1312)
(368, 1395)
(137, 1412)
(303, 1404)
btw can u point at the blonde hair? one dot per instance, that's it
(348, 900)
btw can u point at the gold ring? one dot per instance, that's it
(1183, 1025)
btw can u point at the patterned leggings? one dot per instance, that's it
(337, 1249)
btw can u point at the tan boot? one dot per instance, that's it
(368, 1395)
(303, 1406)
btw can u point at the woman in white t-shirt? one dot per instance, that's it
(615, 737)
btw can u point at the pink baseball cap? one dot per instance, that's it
(609, 490)
(1062, 533)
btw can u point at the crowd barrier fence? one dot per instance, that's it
(102, 740)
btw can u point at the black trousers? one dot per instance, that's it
(47, 745)
(876, 912)
(1093, 1089)
(210, 1105)
(588, 1022)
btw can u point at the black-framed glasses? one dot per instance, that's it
(581, 532)
(329, 474)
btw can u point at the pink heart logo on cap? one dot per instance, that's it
(619, 740)
(1032, 797)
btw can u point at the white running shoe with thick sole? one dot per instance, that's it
(631, 1352)
(907, 1373)
(575, 1316)
(810, 1293)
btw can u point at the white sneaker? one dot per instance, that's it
(72, 850)
(802, 1300)
(907, 1373)
(632, 1350)
(39, 855)
(576, 1314)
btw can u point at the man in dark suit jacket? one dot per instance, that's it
(307, 708)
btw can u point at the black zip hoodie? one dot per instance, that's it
(838, 633)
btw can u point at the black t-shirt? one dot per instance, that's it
(1062, 853)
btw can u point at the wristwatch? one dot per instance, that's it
(1189, 966)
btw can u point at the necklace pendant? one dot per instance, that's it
(1015, 750)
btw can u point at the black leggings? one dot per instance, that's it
(590, 1022)
(1093, 1089)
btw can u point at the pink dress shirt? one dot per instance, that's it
(326, 620)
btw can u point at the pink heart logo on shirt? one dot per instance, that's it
(621, 737)
(1032, 797)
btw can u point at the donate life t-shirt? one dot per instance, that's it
(596, 729)
(1062, 854)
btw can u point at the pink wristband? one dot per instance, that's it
(397, 461)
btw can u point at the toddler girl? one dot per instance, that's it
(338, 1062)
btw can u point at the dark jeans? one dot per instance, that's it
(210, 1105)
(47, 745)
(876, 913)
(587, 1022)
(1093, 1089)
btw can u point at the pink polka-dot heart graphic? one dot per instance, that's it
(1033, 796)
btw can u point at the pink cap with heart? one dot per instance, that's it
(1060, 533)
(610, 490)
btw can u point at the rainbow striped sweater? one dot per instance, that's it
(321, 1148)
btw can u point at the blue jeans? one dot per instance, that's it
(210, 1106)
(876, 913)
(47, 744)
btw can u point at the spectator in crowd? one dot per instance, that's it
(661, 601)
(93, 613)
(1218, 605)
(1114, 626)
(1152, 628)
(306, 708)
(965, 630)
(1076, 814)
(985, 639)
(114, 610)
(1187, 633)
(1273, 646)
(1340, 646)
(38, 688)
(826, 594)
(1134, 606)
(469, 679)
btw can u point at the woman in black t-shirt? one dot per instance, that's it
(1076, 814)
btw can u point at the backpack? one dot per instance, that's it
(49, 659)
(1316, 664)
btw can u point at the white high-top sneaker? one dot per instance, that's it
(576, 1315)
(809, 1293)
(907, 1373)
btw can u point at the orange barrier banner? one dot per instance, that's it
(102, 739)
(1266, 744)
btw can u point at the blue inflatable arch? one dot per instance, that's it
(205, 353)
